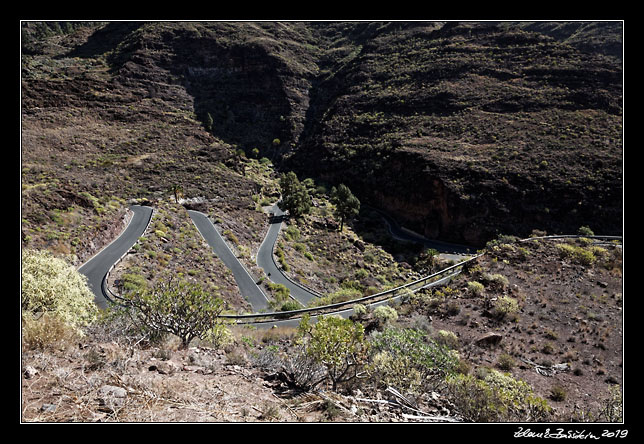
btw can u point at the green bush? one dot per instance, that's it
(338, 344)
(385, 314)
(502, 239)
(52, 286)
(281, 258)
(576, 253)
(231, 236)
(361, 274)
(475, 288)
(359, 310)
(133, 281)
(280, 291)
(409, 360)
(290, 305)
(342, 295)
(448, 339)
(219, 336)
(496, 397)
(292, 233)
(505, 362)
(396, 371)
(505, 307)
(497, 281)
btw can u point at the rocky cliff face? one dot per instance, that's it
(465, 131)
(462, 130)
(251, 79)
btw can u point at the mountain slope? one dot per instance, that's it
(461, 130)
(466, 130)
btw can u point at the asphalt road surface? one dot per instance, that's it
(97, 267)
(273, 272)
(446, 250)
(247, 286)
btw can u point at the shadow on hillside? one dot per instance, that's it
(377, 227)
(240, 87)
(104, 39)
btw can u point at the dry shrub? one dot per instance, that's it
(45, 331)
(273, 335)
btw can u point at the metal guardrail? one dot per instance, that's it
(571, 236)
(391, 293)
(413, 286)
(377, 297)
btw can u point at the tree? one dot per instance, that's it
(176, 306)
(338, 344)
(295, 197)
(52, 286)
(208, 122)
(346, 204)
(177, 190)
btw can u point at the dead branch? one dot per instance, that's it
(547, 370)
(430, 418)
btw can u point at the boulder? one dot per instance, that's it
(30, 372)
(111, 397)
(489, 340)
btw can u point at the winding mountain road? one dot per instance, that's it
(446, 250)
(98, 266)
(247, 286)
(266, 261)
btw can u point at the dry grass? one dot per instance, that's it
(67, 384)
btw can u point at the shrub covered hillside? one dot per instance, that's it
(172, 245)
(528, 333)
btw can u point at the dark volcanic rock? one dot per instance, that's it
(462, 130)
